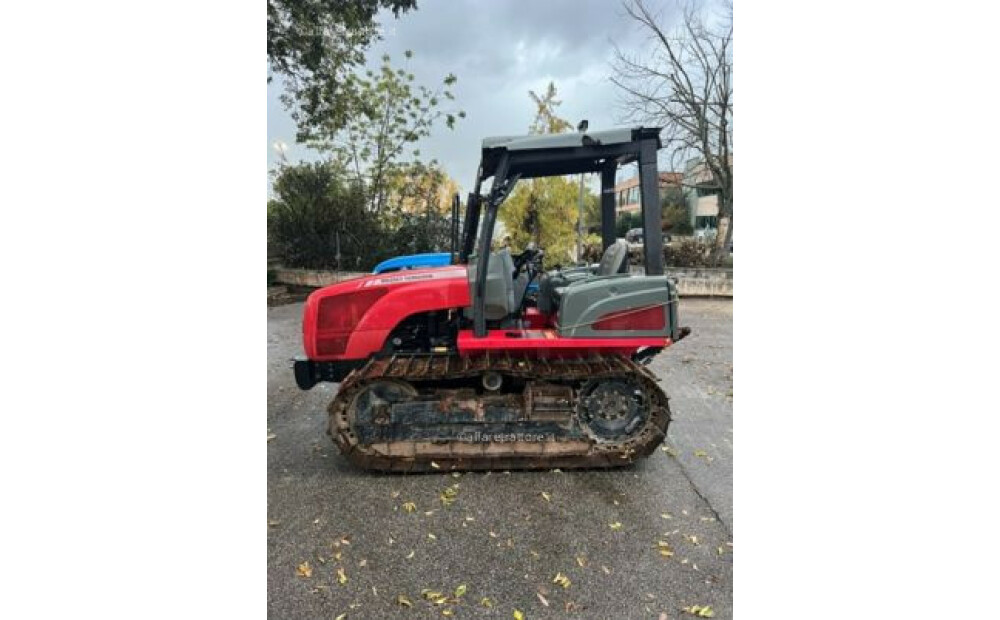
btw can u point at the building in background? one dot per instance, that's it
(627, 192)
(702, 195)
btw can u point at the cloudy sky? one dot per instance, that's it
(499, 50)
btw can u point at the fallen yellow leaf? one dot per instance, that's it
(615, 526)
(460, 590)
(700, 611)
(546, 496)
(409, 507)
(486, 602)
(664, 548)
(448, 496)
(410, 556)
(304, 570)
(581, 560)
(438, 598)
(432, 536)
(341, 617)
(447, 612)
(518, 615)
(562, 580)
(402, 600)
(341, 576)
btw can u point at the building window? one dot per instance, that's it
(708, 191)
(706, 221)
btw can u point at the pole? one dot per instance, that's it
(582, 128)
(579, 224)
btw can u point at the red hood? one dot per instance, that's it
(352, 319)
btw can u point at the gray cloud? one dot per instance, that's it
(499, 50)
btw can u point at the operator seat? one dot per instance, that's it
(614, 260)
(499, 294)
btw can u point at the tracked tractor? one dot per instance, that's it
(457, 367)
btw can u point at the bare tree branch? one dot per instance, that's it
(683, 82)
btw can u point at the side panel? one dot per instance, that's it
(352, 319)
(617, 307)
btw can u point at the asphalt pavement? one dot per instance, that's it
(341, 541)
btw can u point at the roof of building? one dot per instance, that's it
(666, 178)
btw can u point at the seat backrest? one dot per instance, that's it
(613, 259)
(499, 295)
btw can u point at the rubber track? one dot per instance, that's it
(566, 453)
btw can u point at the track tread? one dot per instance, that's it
(448, 456)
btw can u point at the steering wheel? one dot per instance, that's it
(530, 258)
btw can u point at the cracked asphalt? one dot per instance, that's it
(501, 538)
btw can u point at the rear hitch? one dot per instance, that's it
(682, 334)
(645, 356)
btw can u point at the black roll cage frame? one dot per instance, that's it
(508, 166)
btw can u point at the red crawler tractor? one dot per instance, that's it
(460, 367)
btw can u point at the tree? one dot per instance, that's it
(393, 113)
(592, 211)
(626, 221)
(421, 188)
(318, 219)
(546, 120)
(684, 82)
(316, 45)
(544, 210)
(675, 213)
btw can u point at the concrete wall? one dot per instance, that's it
(702, 282)
(312, 277)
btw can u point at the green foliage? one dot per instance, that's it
(688, 253)
(391, 115)
(675, 213)
(313, 205)
(592, 249)
(591, 211)
(316, 45)
(627, 221)
(675, 219)
(544, 211)
(420, 188)
(418, 233)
